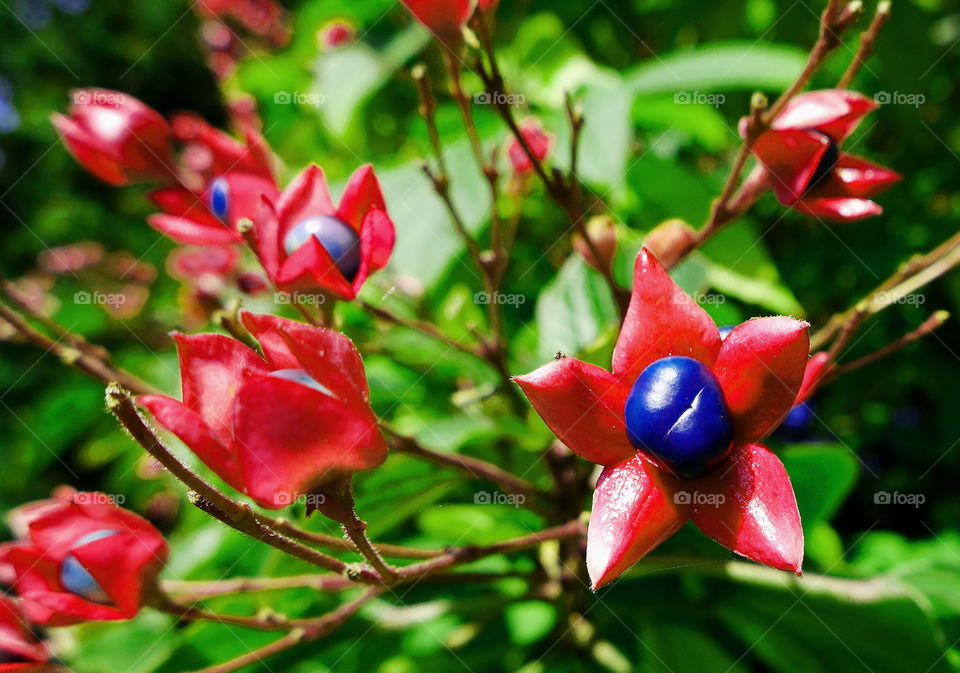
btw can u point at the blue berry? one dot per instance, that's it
(676, 413)
(337, 237)
(76, 579)
(218, 196)
(725, 331)
(303, 378)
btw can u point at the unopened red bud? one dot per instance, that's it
(603, 236)
(670, 241)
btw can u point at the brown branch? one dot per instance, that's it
(305, 632)
(929, 325)
(427, 328)
(868, 41)
(83, 360)
(474, 467)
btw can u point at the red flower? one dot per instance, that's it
(538, 140)
(746, 501)
(116, 137)
(335, 34)
(307, 244)
(803, 163)
(82, 558)
(444, 18)
(278, 428)
(210, 152)
(261, 17)
(20, 652)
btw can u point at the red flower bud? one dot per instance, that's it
(669, 241)
(82, 558)
(801, 160)
(335, 34)
(20, 652)
(537, 139)
(275, 428)
(444, 18)
(116, 137)
(307, 244)
(746, 501)
(603, 236)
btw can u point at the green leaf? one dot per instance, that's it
(529, 621)
(669, 647)
(478, 522)
(718, 67)
(822, 477)
(573, 310)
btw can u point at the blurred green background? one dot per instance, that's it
(890, 427)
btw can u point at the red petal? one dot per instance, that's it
(189, 426)
(125, 565)
(192, 232)
(661, 321)
(376, 245)
(818, 366)
(292, 439)
(583, 405)
(445, 18)
(361, 195)
(790, 158)
(212, 367)
(246, 191)
(760, 369)
(184, 203)
(100, 161)
(836, 112)
(634, 510)
(332, 360)
(756, 515)
(267, 232)
(16, 638)
(306, 196)
(855, 176)
(310, 269)
(838, 209)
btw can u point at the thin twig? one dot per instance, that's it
(929, 325)
(868, 41)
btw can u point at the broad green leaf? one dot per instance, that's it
(574, 309)
(822, 476)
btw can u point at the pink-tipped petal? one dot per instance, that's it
(583, 405)
(747, 504)
(635, 508)
(661, 321)
(855, 176)
(836, 112)
(361, 195)
(760, 368)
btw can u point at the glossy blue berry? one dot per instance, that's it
(76, 579)
(676, 412)
(302, 377)
(725, 331)
(337, 237)
(219, 198)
